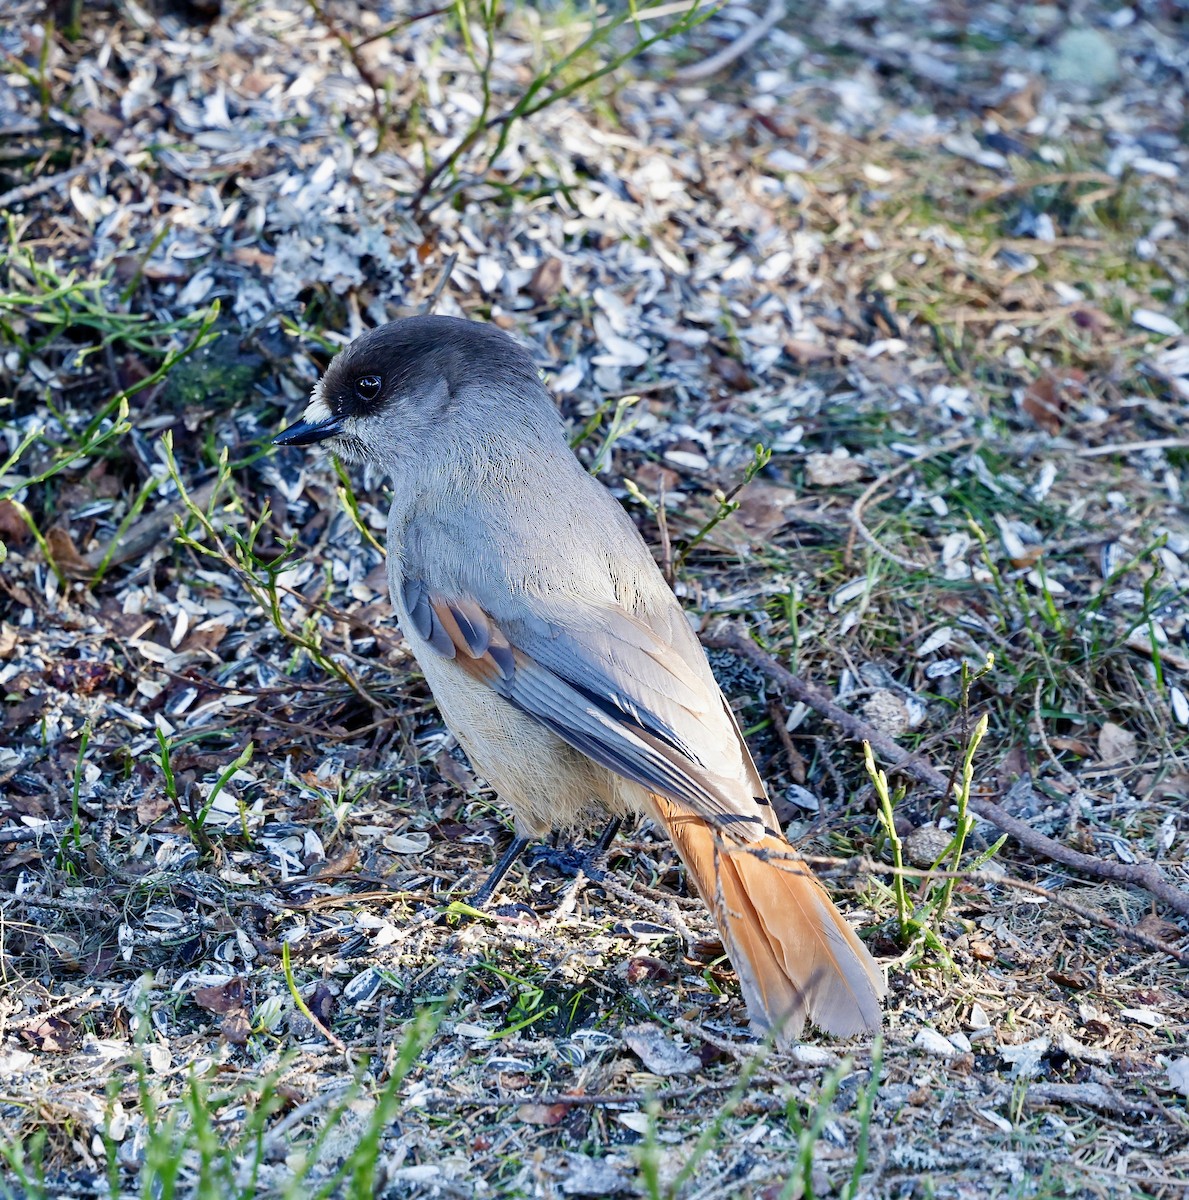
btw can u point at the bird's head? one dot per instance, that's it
(413, 386)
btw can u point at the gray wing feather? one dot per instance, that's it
(614, 691)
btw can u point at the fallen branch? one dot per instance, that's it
(1142, 875)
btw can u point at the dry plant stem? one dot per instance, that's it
(27, 191)
(737, 49)
(87, 903)
(579, 1100)
(431, 301)
(1168, 443)
(1146, 876)
(1124, 931)
(368, 76)
(856, 512)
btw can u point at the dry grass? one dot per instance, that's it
(149, 1026)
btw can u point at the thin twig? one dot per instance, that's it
(1142, 875)
(28, 191)
(431, 301)
(578, 1100)
(856, 512)
(734, 50)
(1168, 443)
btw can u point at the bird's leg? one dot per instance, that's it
(589, 864)
(590, 869)
(501, 868)
(571, 861)
(598, 852)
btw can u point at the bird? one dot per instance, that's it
(560, 657)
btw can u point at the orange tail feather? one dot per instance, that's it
(794, 953)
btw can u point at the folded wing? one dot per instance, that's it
(605, 683)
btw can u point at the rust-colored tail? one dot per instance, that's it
(794, 953)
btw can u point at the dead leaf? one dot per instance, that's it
(65, 554)
(454, 772)
(732, 372)
(53, 1036)
(79, 676)
(644, 967)
(1074, 745)
(763, 509)
(236, 1028)
(707, 950)
(321, 1003)
(204, 637)
(832, 470)
(806, 352)
(659, 1053)
(546, 280)
(1075, 980)
(1157, 927)
(1116, 744)
(1048, 398)
(152, 806)
(223, 997)
(13, 528)
(252, 256)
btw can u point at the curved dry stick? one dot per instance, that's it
(856, 511)
(736, 49)
(1141, 875)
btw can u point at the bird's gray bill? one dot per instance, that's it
(306, 433)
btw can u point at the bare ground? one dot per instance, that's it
(933, 257)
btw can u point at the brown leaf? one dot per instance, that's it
(454, 772)
(643, 967)
(236, 1028)
(65, 554)
(1116, 744)
(152, 806)
(253, 256)
(1048, 398)
(546, 280)
(321, 1003)
(1073, 745)
(79, 676)
(345, 864)
(763, 509)
(806, 352)
(732, 372)
(13, 529)
(1157, 927)
(707, 950)
(206, 636)
(651, 477)
(223, 997)
(1075, 980)
(53, 1035)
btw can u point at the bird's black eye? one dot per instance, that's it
(367, 387)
